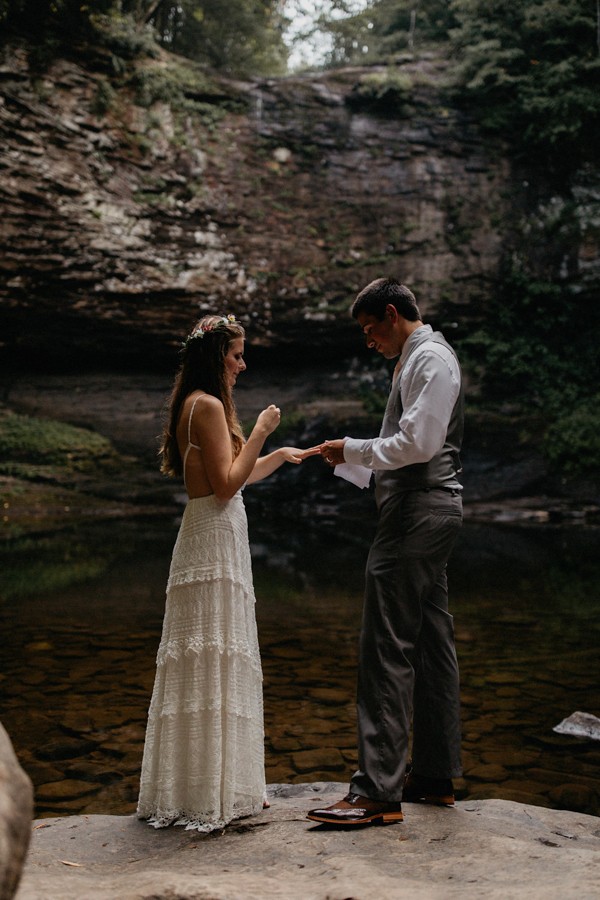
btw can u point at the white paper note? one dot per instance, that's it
(358, 475)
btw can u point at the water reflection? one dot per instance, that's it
(81, 617)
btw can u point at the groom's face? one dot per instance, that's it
(380, 334)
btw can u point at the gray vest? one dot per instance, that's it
(442, 469)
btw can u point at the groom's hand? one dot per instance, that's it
(309, 451)
(333, 452)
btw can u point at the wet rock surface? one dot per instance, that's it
(16, 813)
(277, 199)
(492, 848)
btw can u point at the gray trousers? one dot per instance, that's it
(407, 667)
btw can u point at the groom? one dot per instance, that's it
(407, 666)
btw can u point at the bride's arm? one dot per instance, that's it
(225, 474)
(266, 465)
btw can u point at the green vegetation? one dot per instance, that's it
(35, 564)
(104, 98)
(385, 28)
(244, 39)
(50, 564)
(374, 401)
(533, 69)
(385, 92)
(528, 71)
(185, 86)
(54, 475)
(536, 350)
(28, 443)
(572, 442)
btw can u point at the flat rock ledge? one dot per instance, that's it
(481, 848)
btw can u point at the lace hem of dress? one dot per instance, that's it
(164, 819)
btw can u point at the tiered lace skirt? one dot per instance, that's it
(203, 759)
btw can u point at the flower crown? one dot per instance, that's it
(206, 327)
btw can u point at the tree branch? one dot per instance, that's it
(154, 7)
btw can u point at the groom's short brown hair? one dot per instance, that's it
(374, 298)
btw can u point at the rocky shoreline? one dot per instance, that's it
(492, 848)
(506, 481)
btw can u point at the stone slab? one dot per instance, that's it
(495, 849)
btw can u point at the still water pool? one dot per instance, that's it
(81, 615)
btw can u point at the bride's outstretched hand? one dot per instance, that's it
(296, 455)
(332, 452)
(310, 451)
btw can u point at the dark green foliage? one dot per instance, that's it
(385, 28)
(50, 563)
(538, 345)
(104, 98)
(572, 442)
(241, 38)
(122, 36)
(384, 93)
(170, 84)
(532, 69)
(26, 441)
(40, 20)
(537, 351)
(528, 70)
(54, 28)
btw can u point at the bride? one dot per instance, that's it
(203, 763)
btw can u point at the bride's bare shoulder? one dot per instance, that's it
(203, 405)
(200, 399)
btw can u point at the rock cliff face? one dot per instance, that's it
(125, 214)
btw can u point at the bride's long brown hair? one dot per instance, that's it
(202, 369)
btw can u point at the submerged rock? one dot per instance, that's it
(580, 724)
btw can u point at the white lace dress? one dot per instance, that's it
(203, 759)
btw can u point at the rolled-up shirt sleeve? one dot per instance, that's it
(429, 389)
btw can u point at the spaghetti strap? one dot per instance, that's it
(189, 443)
(190, 425)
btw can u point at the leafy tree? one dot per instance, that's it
(384, 28)
(38, 19)
(536, 349)
(248, 39)
(533, 71)
(572, 442)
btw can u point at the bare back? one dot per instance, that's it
(189, 441)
